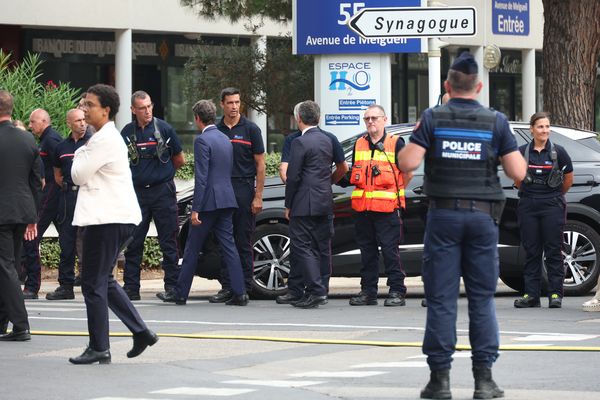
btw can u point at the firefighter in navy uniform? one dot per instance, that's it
(378, 200)
(67, 233)
(248, 180)
(542, 213)
(154, 155)
(462, 143)
(39, 124)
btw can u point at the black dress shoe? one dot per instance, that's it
(288, 298)
(171, 297)
(29, 295)
(90, 356)
(133, 294)
(221, 297)
(527, 302)
(311, 301)
(141, 341)
(63, 292)
(16, 336)
(238, 300)
(77, 281)
(363, 299)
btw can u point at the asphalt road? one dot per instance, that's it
(270, 351)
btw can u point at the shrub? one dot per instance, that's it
(186, 172)
(24, 82)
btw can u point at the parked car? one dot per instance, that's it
(581, 235)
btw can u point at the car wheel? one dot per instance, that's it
(580, 251)
(515, 283)
(271, 260)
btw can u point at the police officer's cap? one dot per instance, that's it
(465, 63)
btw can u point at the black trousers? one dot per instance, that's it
(101, 245)
(310, 238)
(243, 227)
(67, 237)
(12, 305)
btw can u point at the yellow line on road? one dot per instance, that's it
(327, 341)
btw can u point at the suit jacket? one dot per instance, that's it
(20, 176)
(213, 158)
(308, 187)
(101, 169)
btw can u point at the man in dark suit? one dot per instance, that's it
(212, 208)
(308, 202)
(20, 193)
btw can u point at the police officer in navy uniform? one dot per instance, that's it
(248, 179)
(67, 233)
(155, 154)
(39, 124)
(462, 143)
(542, 212)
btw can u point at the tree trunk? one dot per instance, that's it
(571, 50)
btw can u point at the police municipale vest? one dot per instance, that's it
(462, 163)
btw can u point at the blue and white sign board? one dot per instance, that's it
(321, 27)
(510, 17)
(346, 85)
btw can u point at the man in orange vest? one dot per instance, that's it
(378, 200)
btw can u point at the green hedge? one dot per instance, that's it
(186, 172)
(50, 253)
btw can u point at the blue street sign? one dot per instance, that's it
(510, 17)
(320, 27)
(355, 104)
(342, 119)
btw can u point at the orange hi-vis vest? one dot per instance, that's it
(376, 192)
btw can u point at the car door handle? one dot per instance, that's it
(418, 190)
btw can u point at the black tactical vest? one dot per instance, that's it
(461, 162)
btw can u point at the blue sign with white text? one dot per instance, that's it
(355, 104)
(510, 17)
(321, 28)
(342, 119)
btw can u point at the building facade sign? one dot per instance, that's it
(510, 17)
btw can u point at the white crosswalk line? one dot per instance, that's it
(274, 383)
(126, 398)
(555, 338)
(203, 391)
(55, 309)
(338, 374)
(399, 364)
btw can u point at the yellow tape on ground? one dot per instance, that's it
(326, 341)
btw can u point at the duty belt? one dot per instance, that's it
(463, 204)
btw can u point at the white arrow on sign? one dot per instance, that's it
(414, 22)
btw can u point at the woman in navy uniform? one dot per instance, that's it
(542, 212)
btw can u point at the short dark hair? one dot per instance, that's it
(230, 91)
(538, 115)
(206, 111)
(6, 103)
(309, 112)
(461, 82)
(138, 94)
(108, 97)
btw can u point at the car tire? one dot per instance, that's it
(271, 260)
(513, 282)
(581, 252)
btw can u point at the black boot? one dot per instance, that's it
(485, 387)
(438, 386)
(91, 356)
(141, 341)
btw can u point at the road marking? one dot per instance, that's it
(338, 374)
(203, 391)
(458, 354)
(275, 383)
(56, 309)
(125, 398)
(556, 338)
(399, 364)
